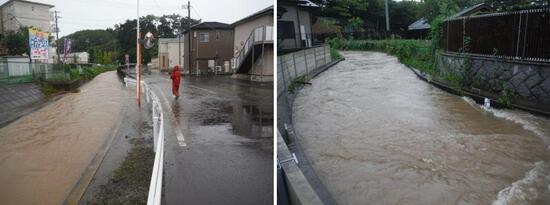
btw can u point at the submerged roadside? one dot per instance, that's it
(43, 154)
(124, 174)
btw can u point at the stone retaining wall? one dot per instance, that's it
(529, 82)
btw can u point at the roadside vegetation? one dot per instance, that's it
(130, 182)
(64, 78)
(413, 53)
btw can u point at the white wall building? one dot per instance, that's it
(77, 57)
(19, 13)
(169, 51)
(254, 37)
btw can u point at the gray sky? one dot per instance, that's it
(101, 14)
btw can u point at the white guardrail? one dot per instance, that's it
(155, 188)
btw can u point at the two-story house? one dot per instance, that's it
(211, 48)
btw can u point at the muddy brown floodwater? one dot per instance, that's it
(44, 154)
(375, 134)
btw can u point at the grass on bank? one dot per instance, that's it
(420, 54)
(413, 53)
(130, 182)
(67, 75)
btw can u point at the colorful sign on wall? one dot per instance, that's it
(38, 41)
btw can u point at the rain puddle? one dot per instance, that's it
(43, 154)
(375, 134)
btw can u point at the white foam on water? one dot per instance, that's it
(520, 118)
(534, 188)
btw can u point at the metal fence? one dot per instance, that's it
(155, 187)
(20, 72)
(523, 35)
(300, 63)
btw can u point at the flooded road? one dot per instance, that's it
(219, 140)
(376, 134)
(44, 154)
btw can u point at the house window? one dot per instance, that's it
(285, 30)
(217, 35)
(32, 8)
(203, 37)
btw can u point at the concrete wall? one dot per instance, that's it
(529, 81)
(298, 188)
(300, 63)
(292, 14)
(14, 66)
(27, 14)
(262, 70)
(293, 65)
(169, 48)
(15, 99)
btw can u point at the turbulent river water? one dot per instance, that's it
(44, 154)
(376, 134)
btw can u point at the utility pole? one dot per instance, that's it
(189, 35)
(387, 18)
(138, 60)
(57, 35)
(179, 44)
(180, 33)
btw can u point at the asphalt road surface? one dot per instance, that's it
(219, 140)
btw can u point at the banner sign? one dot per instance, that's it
(66, 49)
(38, 41)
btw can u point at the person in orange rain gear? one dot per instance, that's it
(175, 76)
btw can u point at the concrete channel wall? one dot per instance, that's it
(306, 63)
(298, 190)
(300, 63)
(300, 185)
(528, 81)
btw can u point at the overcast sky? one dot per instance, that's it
(101, 14)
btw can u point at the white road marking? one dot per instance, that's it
(179, 133)
(203, 89)
(196, 87)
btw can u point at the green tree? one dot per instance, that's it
(356, 23)
(17, 43)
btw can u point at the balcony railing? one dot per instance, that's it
(258, 35)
